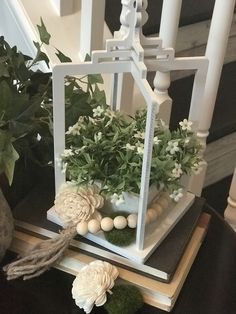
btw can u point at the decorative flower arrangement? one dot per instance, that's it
(108, 147)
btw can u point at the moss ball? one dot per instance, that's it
(125, 299)
(122, 237)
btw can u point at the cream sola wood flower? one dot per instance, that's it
(92, 283)
(74, 203)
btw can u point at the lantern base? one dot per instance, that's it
(155, 233)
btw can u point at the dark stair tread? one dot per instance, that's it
(224, 117)
(216, 194)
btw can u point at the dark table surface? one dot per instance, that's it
(209, 288)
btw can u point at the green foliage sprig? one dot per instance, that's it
(108, 147)
(22, 114)
(26, 103)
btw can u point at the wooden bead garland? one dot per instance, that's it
(121, 222)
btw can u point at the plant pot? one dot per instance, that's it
(131, 201)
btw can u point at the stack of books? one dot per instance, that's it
(160, 278)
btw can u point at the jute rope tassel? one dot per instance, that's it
(72, 205)
(42, 256)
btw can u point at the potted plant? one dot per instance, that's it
(107, 148)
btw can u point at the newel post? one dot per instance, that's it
(230, 211)
(168, 33)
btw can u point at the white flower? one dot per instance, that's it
(117, 199)
(67, 153)
(92, 283)
(177, 194)
(186, 125)
(81, 119)
(140, 148)
(78, 150)
(74, 129)
(177, 171)
(129, 147)
(39, 137)
(92, 120)
(97, 137)
(74, 204)
(173, 147)
(97, 112)
(111, 114)
(140, 135)
(156, 141)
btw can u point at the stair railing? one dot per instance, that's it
(215, 52)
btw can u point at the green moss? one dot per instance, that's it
(122, 237)
(125, 299)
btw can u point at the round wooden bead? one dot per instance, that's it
(120, 222)
(163, 202)
(94, 226)
(132, 220)
(82, 228)
(152, 214)
(107, 224)
(158, 209)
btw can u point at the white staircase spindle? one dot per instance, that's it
(168, 33)
(92, 26)
(215, 52)
(230, 211)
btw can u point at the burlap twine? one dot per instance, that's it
(41, 257)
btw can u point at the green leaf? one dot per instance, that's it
(62, 57)
(95, 78)
(99, 96)
(43, 57)
(29, 110)
(8, 156)
(79, 106)
(6, 96)
(19, 129)
(87, 58)
(43, 33)
(37, 44)
(3, 70)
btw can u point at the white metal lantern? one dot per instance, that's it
(131, 52)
